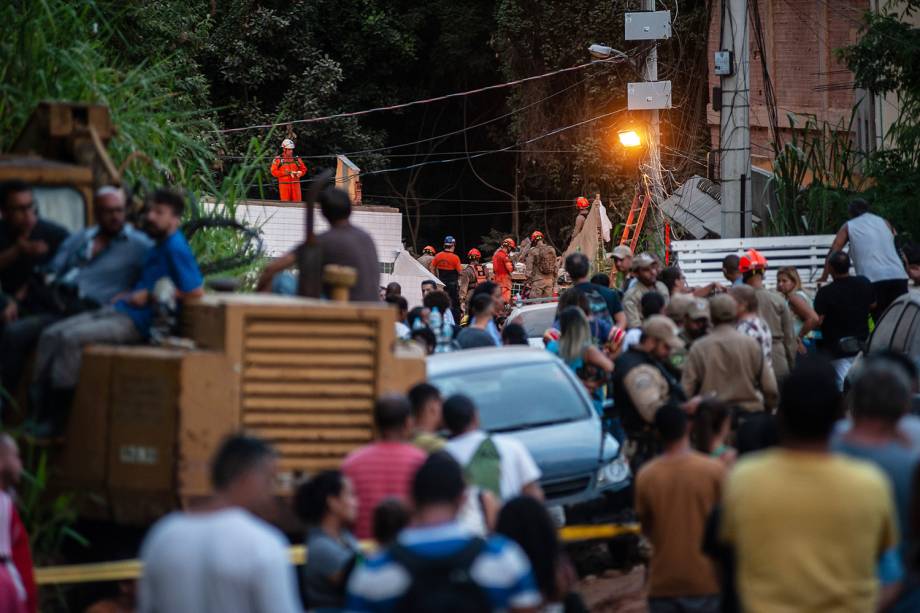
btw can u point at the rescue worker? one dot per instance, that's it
(446, 266)
(502, 268)
(472, 275)
(426, 257)
(541, 267)
(582, 205)
(643, 383)
(289, 170)
(644, 269)
(773, 309)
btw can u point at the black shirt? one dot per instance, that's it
(845, 306)
(610, 298)
(15, 276)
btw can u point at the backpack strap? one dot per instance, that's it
(418, 565)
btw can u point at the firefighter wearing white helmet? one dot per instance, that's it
(289, 171)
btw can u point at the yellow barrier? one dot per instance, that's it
(123, 570)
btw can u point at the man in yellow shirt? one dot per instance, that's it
(808, 527)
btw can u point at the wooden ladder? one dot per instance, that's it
(633, 227)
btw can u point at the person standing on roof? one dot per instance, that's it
(583, 206)
(447, 267)
(426, 257)
(873, 253)
(772, 308)
(288, 170)
(502, 268)
(541, 267)
(472, 275)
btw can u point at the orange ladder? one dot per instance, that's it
(633, 224)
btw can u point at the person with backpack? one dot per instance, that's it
(498, 464)
(437, 565)
(541, 267)
(603, 301)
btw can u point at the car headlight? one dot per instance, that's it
(614, 472)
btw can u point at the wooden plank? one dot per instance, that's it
(310, 328)
(311, 344)
(310, 389)
(264, 358)
(310, 465)
(255, 403)
(299, 420)
(334, 435)
(308, 374)
(314, 450)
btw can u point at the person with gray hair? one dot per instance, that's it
(879, 396)
(90, 268)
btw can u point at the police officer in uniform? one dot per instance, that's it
(643, 383)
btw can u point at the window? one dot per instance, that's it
(61, 205)
(536, 321)
(386, 268)
(519, 397)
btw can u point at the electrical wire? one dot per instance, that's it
(403, 105)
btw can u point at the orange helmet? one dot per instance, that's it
(509, 242)
(429, 249)
(582, 202)
(753, 260)
(474, 254)
(536, 236)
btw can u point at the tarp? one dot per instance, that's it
(586, 241)
(409, 274)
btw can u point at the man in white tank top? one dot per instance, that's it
(874, 255)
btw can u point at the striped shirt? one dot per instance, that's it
(502, 570)
(378, 471)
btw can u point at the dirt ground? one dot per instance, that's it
(614, 591)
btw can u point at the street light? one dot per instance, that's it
(603, 52)
(629, 138)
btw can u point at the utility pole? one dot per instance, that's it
(735, 122)
(653, 164)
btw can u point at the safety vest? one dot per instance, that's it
(480, 271)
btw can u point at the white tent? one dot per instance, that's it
(409, 274)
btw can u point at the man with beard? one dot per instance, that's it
(60, 347)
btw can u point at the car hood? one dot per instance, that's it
(563, 450)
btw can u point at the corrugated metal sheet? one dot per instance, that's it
(695, 207)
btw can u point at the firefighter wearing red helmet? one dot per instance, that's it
(426, 257)
(582, 204)
(541, 267)
(773, 309)
(502, 267)
(474, 274)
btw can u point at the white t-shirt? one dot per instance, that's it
(517, 465)
(226, 561)
(632, 338)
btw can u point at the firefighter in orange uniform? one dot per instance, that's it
(502, 268)
(289, 170)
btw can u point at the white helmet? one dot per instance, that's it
(287, 144)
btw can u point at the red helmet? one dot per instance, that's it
(751, 261)
(429, 249)
(509, 242)
(537, 235)
(582, 202)
(474, 254)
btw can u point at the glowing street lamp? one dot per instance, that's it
(629, 139)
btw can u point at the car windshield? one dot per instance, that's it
(536, 321)
(518, 397)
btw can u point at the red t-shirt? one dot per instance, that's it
(377, 471)
(501, 265)
(447, 261)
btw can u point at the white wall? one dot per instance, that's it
(283, 226)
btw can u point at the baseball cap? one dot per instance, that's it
(679, 305)
(723, 308)
(663, 329)
(621, 252)
(698, 309)
(643, 260)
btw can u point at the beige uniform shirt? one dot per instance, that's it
(731, 365)
(648, 390)
(425, 261)
(773, 309)
(632, 301)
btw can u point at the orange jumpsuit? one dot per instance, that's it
(502, 269)
(288, 185)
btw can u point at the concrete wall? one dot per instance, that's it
(283, 226)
